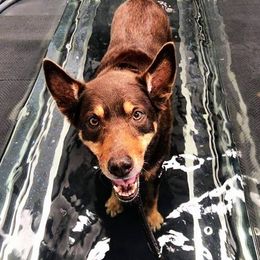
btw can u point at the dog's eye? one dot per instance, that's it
(138, 115)
(93, 122)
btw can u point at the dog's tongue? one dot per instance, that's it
(125, 183)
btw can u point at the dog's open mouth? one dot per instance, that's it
(126, 190)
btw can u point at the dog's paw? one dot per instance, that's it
(113, 206)
(155, 220)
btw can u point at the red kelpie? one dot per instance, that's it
(123, 115)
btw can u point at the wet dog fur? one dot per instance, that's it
(123, 115)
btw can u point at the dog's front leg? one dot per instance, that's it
(113, 205)
(153, 216)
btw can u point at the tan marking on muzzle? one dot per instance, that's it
(95, 148)
(146, 139)
(134, 147)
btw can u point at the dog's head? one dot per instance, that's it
(117, 114)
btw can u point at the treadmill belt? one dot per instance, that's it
(53, 193)
(25, 33)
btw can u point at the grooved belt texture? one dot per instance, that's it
(25, 31)
(242, 25)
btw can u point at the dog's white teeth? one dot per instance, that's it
(117, 188)
(126, 191)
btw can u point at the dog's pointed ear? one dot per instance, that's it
(160, 75)
(64, 89)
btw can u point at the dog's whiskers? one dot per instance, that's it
(144, 170)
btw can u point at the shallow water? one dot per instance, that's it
(53, 193)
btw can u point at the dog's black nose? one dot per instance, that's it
(120, 167)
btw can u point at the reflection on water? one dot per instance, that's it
(53, 193)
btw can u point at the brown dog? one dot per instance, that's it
(123, 115)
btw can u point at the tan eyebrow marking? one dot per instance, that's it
(128, 107)
(99, 111)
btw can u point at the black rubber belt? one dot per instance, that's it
(152, 242)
